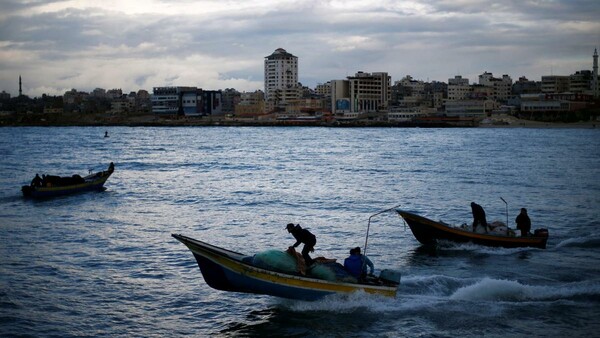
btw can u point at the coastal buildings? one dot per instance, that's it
(165, 101)
(501, 87)
(361, 93)
(4, 95)
(369, 92)
(186, 101)
(251, 104)
(458, 88)
(361, 97)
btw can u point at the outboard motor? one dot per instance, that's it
(540, 233)
(389, 275)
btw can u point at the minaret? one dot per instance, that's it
(595, 91)
(21, 91)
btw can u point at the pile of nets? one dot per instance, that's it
(291, 262)
(275, 260)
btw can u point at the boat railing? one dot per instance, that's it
(369, 225)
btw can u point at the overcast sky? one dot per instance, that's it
(58, 45)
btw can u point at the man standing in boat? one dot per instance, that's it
(523, 222)
(478, 216)
(303, 236)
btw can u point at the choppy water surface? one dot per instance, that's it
(104, 264)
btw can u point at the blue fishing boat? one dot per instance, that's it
(51, 186)
(227, 270)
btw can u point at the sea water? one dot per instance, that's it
(105, 264)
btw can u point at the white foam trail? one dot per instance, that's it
(452, 246)
(507, 290)
(483, 290)
(346, 303)
(589, 240)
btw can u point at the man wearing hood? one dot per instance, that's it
(303, 236)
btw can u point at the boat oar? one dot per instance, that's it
(506, 210)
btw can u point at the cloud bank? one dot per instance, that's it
(59, 45)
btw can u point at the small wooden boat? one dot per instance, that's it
(231, 271)
(56, 186)
(428, 231)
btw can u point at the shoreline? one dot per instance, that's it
(50, 120)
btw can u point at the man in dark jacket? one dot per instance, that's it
(478, 216)
(303, 236)
(523, 222)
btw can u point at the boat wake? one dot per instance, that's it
(344, 303)
(489, 289)
(431, 291)
(591, 241)
(453, 246)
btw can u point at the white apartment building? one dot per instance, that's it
(281, 76)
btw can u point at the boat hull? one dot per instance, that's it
(92, 182)
(428, 232)
(228, 271)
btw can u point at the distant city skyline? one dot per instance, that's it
(56, 46)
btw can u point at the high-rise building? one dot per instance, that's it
(281, 76)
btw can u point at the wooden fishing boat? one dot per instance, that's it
(231, 271)
(428, 231)
(57, 186)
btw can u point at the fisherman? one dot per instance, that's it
(523, 222)
(303, 236)
(357, 263)
(37, 181)
(478, 216)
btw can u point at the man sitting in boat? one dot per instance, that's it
(478, 216)
(303, 236)
(357, 264)
(37, 181)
